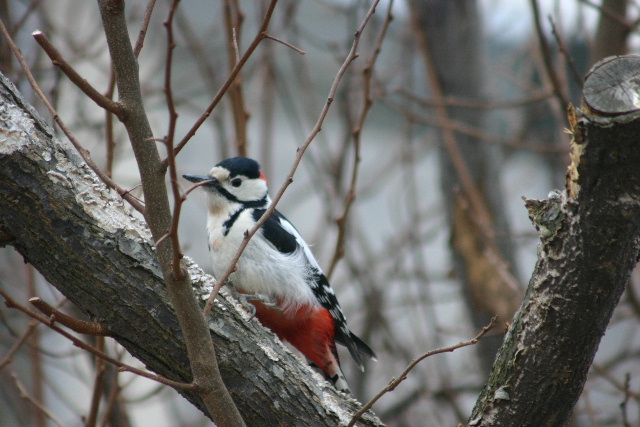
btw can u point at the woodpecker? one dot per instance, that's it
(277, 265)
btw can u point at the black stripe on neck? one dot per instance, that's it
(231, 220)
(245, 205)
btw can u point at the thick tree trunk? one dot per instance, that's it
(64, 221)
(590, 243)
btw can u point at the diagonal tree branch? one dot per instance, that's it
(57, 60)
(65, 222)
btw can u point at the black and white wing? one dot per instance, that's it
(279, 231)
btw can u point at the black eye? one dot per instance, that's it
(236, 182)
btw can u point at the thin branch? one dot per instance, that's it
(39, 406)
(289, 45)
(169, 142)
(11, 303)
(197, 337)
(367, 103)
(82, 84)
(625, 401)
(98, 384)
(236, 48)
(232, 75)
(476, 132)
(604, 373)
(453, 101)
(112, 399)
(611, 14)
(351, 56)
(572, 65)
(109, 137)
(546, 57)
(16, 346)
(35, 355)
(395, 382)
(143, 28)
(83, 153)
(76, 325)
(233, 22)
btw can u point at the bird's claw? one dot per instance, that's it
(246, 298)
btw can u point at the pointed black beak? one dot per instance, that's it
(210, 181)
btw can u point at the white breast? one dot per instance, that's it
(262, 269)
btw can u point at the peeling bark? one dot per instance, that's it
(589, 244)
(63, 220)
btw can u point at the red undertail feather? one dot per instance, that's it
(310, 329)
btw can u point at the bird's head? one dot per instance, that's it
(235, 180)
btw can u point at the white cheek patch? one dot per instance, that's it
(251, 189)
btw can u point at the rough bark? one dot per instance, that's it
(589, 244)
(64, 221)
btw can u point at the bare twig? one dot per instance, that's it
(112, 399)
(395, 382)
(351, 56)
(232, 76)
(35, 355)
(82, 84)
(39, 406)
(605, 374)
(453, 101)
(367, 103)
(109, 137)
(11, 303)
(76, 325)
(625, 401)
(630, 26)
(169, 142)
(143, 28)
(480, 211)
(572, 65)
(98, 385)
(16, 346)
(546, 57)
(476, 132)
(289, 45)
(233, 24)
(110, 141)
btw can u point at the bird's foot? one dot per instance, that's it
(246, 299)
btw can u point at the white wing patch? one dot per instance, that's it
(286, 225)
